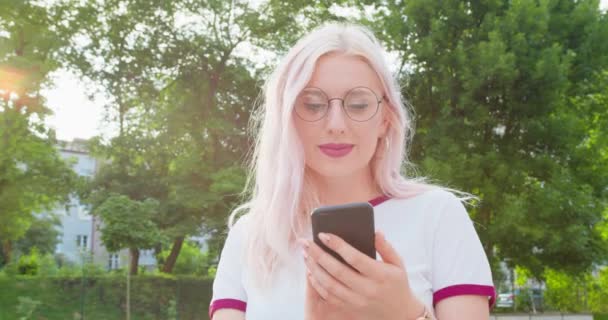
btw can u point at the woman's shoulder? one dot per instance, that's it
(241, 221)
(433, 206)
(237, 229)
(435, 197)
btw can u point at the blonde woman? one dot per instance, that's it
(333, 129)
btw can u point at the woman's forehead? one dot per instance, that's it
(337, 73)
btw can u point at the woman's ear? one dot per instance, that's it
(384, 128)
(383, 132)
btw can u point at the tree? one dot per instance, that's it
(127, 224)
(42, 234)
(171, 69)
(33, 177)
(492, 85)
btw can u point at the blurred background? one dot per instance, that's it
(123, 135)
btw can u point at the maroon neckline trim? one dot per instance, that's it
(378, 200)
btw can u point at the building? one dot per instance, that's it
(76, 222)
(80, 235)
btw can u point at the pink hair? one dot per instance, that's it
(281, 195)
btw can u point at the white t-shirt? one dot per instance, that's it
(432, 232)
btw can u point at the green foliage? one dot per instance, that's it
(29, 264)
(172, 310)
(33, 264)
(43, 234)
(191, 260)
(182, 124)
(510, 100)
(26, 307)
(104, 297)
(564, 291)
(523, 302)
(128, 223)
(580, 293)
(11, 269)
(81, 270)
(47, 265)
(211, 272)
(510, 105)
(522, 276)
(33, 177)
(598, 294)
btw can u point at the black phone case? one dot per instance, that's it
(353, 222)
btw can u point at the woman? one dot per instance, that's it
(333, 130)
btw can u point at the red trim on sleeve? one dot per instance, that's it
(465, 289)
(226, 304)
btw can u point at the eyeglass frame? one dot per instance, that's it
(379, 101)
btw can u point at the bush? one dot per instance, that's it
(191, 261)
(26, 307)
(584, 292)
(33, 264)
(10, 269)
(104, 297)
(47, 265)
(598, 295)
(29, 264)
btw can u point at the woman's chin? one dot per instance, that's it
(333, 170)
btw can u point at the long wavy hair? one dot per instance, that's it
(280, 193)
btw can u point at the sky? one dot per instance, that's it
(74, 114)
(77, 116)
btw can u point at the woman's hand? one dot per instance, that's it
(379, 290)
(319, 309)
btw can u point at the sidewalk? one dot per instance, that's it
(545, 316)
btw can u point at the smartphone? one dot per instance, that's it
(353, 222)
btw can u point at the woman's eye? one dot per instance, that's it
(313, 106)
(358, 105)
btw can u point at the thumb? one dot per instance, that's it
(386, 251)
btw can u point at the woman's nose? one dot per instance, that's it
(336, 119)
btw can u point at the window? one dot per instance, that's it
(81, 241)
(113, 261)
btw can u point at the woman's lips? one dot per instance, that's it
(336, 150)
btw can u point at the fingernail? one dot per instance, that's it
(324, 237)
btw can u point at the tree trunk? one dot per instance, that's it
(177, 247)
(7, 251)
(134, 261)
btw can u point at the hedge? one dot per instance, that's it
(104, 297)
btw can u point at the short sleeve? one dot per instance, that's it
(228, 289)
(460, 265)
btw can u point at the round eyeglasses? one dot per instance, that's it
(360, 104)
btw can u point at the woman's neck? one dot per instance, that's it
(359, 187)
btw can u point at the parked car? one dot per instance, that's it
(505, 300)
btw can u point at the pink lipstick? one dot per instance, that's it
(336, 150)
